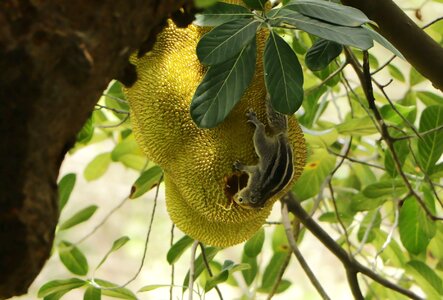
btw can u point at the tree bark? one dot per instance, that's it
(56, 58)
(419, 49)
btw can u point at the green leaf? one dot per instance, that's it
(426, 279)
(226, 41)
(321, 54)
(415, 77)
(222, 87)
(204, 3)
(249, 274)
(430, 148)
(396, 73)
(221, 13)
(393, 188)
(115, 98)
(118, 243)
(357, 127)
(65, 187)
(412, 232)
(147, 180)
(73, 259)
(255, 4)
(382, 41)
(317, 168)
(283, 75)
(92, 293)
(60, 286)
(329, 11)
(178, 249)
(350, 36)
(392, 254)
(254, 245)
(86, 133)
(79, 217)
(219, 278)
(402, 150)
(429, 98)
(321, 139)
(199, 265)
(125, 147)
(151, 287)
(97, 167)
(116, 292)
(390, 115)
(279, 239)
(273, 269)
(283, 286)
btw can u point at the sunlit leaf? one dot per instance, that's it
(115, 292)
(57, 286)
(199, 264)
(393, 188)
(396, 73)
(357, 127)
(65, 187)
(97, 167)
(272, 269)
(370, 222)
(73, 259)
(146, 181)
(426, 278)
(79, 217)
(430, 148)
(429, 98)
(118, 243)
(249, 274)
(86, 133)
(254, 245)
(92, 293)
(178, 249)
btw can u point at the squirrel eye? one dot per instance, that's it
(240, 199)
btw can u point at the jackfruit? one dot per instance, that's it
(197, 163)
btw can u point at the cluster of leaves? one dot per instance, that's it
(230, 50)
(351, 182)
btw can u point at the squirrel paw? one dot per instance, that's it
(237, 165)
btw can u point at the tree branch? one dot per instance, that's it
(348, 261)
(56, 57)
(419, 49)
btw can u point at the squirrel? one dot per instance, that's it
(274, 169)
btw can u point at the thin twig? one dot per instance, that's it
(332, 75)
(348, 261)
(365, 79)
(117, 111)
(390, 235)
(208, 268)
(114, 125)
(298, 255)
(192, 270)
(145, 248)
(115, 98)
(423, 133)
(279, 276)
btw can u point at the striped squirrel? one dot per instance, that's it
(274, 169)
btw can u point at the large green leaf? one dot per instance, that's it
(249, 274)
(79, 217)
(329, 11)
(179, 247)
(283, 75)
(430, 148)
(146, 181)
(426, 278)
(92, 293)
(65, 187)
(58, 286)
(350, 36)
(226, 41)
(357, 127)
(272, 269)
(385, 188)
(391, 116)
(429, 98)
(73, 259)
(222, 87)
(382, 41)
(317, 168)
(414, 232)
(221, 13)
(254, 245)
(321, 54)
(97, 167)
(86, 133)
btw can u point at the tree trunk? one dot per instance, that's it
(56, 58)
